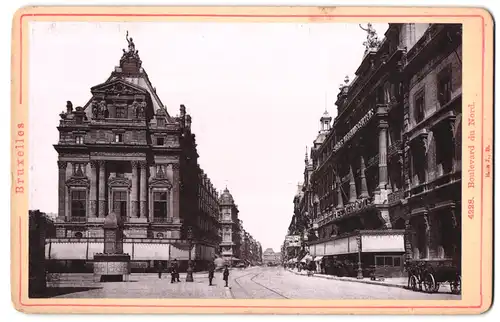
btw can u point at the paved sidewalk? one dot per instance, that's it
(139, 286)
(400, 282)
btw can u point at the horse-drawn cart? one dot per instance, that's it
(429, 274)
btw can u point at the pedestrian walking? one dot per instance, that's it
(160, 269)
(174, 272)
(226, 274)
(211, 270)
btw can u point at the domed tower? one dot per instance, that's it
(230, 244)
(325, 120)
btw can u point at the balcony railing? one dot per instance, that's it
(77, 219)
(395, 197)
(349, 209)
(442, 180)
(163, 220)
(395, 148)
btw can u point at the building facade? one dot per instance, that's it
(370, 192)
(269, 257)
(430, 196)
(123, 152)
(230, 245)
(250, 249)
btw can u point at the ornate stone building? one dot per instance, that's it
(230, 245)
(359, 161)
(123, 152)
(429, 197)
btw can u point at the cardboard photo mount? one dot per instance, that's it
(477, 114)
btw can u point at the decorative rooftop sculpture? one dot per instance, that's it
(372, 42)
(132, 55)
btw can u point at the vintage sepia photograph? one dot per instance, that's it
(181, 160)
(298, 160)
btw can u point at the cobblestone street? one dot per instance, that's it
(250, 283)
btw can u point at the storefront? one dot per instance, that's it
(65, 255)
(361, 253)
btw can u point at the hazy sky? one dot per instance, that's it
(255, 93)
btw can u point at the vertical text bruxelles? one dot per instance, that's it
(19, 151)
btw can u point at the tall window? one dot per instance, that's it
(121, 113)
(444, 86)
(419, 162)
(120, 203)
(79, 139)
(160, 204)
(118, 138)
(419, 106)
(445, 150)
(78, 204)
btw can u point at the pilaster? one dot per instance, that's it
(144, 190)
(62, 165)
(93, 189)
(102, 188)
(134, 203)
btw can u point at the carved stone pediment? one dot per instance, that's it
(119, 182)
(118, 87)
(78, 182)
(160, 182)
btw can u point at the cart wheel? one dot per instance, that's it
(456, 285)
(436, 288)
(429, 283)
(413, 283)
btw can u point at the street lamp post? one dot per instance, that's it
(189, 276)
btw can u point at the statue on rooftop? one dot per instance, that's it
(372, 41)
(131, 45)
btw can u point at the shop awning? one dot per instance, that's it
(383, 243)
(318, 258)
(66, 251)
(95, 248)
(182, 254)
(150, 251)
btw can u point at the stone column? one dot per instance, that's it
(62, 165)
(352, 186)
(144, 190)
(93, 189)
(134, 203)
(102, 189)
(408, 240)
(340, 201)
(360, 269)
(364, 186)
(382, 146)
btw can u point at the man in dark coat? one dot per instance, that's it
(160, 269)
(225, 274)
(211, 270)
(174, 272)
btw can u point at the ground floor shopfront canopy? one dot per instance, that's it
(363, 249)
(138, 249)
